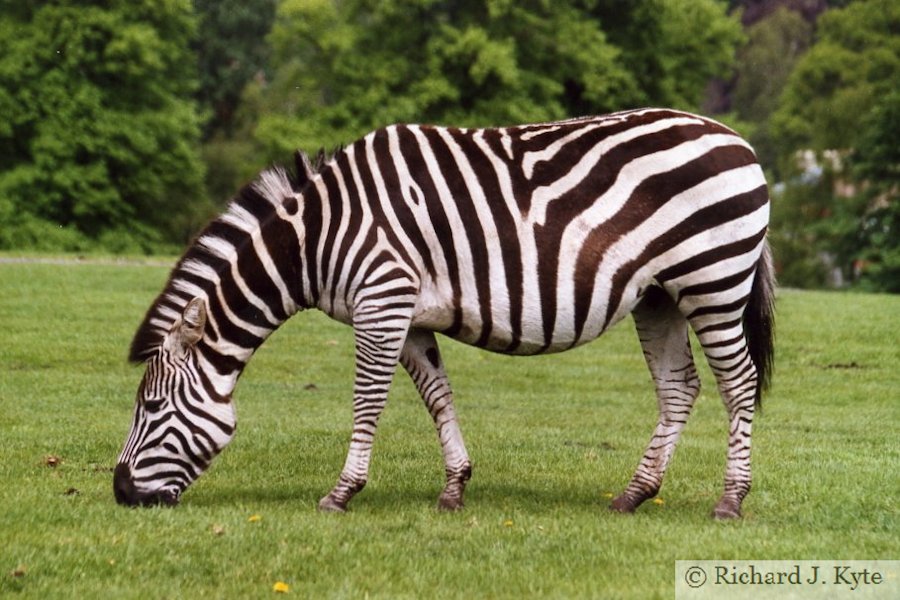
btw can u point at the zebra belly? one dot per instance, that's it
(537, 330)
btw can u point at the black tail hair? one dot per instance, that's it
(759, 322)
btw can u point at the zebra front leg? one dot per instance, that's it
(380, 334)
(422, 360)
(663, 332)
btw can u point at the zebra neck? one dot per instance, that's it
(232, 336)
(242, 313)
(255, 288)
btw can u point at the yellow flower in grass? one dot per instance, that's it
(281, 587)
(607, 495)
(659, 501)
(254, 518)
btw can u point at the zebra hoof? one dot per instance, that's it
(329, 504)
(450, 503)
(727, 509)
(623, 504)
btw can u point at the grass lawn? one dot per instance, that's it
(551, 439)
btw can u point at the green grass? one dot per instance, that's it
(549, 437)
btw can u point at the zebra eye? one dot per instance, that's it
(153, 404)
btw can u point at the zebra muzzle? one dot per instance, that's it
(127, 493)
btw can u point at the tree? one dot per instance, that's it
(231, 49)
(343, 68)
(876, 163)
(854, 61)
(98, 142)
(774, 45)
(673, 48)
(841, 99)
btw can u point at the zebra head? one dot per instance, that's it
(180, 421)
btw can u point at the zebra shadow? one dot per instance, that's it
(386, 497)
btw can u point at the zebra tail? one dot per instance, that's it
(759, 322)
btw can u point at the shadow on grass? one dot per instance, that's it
(386, 497)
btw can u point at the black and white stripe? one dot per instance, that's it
(520, 240)
(180, 421)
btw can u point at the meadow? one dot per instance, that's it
(551, 438)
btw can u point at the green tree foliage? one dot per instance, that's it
(764, 63)
(854, 62)
(343, 68)
(811, 230)
(231, 49)
(672, 48)
(876, 163)
(98, 136)
(842, 96)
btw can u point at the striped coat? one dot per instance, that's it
(520, 240)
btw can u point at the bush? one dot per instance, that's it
(100, 134)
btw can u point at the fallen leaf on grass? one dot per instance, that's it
(281, 587)
(310, 387)
(19, 571)
(607, 495)
(254, 518)
(72, 492)
(217, 529)
(659, 501)
(508, 523)
(51, 460)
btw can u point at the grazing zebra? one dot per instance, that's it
(520, 240)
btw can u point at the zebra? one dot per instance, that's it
(521, 240)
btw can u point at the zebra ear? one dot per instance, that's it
(188, 330)
(193, 320)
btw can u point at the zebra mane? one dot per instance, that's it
(212, 250)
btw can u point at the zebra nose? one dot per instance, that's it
(123, 486)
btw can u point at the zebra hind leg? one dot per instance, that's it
(663, 333)
(422, 360)
(721, 333)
